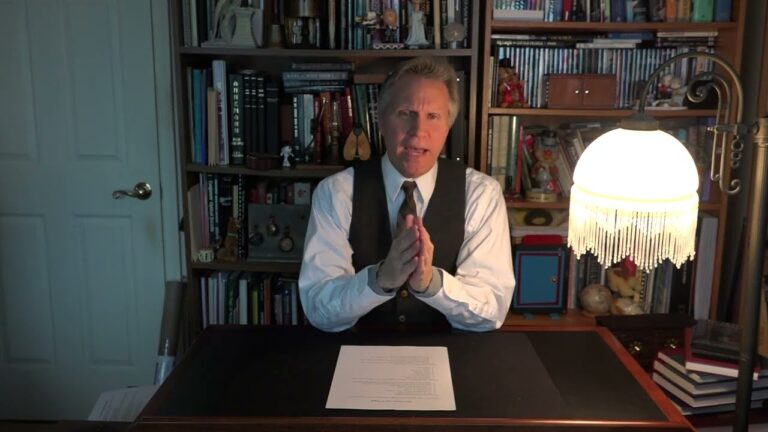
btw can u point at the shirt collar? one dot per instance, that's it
(393, 180)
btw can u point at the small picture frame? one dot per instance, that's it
(541, 273)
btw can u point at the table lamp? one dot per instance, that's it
(634, 194)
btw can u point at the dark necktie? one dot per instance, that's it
(408, 206)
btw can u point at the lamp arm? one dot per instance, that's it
(720, 84)
(721, 129)
(695, 54)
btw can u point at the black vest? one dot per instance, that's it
(370, 238)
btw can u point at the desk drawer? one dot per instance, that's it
(645, 335)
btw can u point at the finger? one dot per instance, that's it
(404, 239)
(410, 220)
(411, 266)
(408, 255)
(418, 279)
(427, 247)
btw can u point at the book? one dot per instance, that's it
(692, 387)
(676, 360)
(219, 68)
(722, 10)
(689, 410)
(703, 10)
(326, 75)
(236, 95)
(518, 15)
(704, 400)
(705, 266)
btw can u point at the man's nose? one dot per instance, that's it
(418, 125)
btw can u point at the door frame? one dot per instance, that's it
(167, 142)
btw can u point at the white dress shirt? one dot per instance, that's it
(477, 298)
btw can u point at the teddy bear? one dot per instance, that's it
(624, 281)
(510, 88)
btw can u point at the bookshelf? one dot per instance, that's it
(370, 67)
(728, 44)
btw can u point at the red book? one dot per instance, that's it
(317, 148)
(346, 113)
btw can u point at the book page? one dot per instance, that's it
(392, 378)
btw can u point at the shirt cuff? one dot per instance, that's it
(434, 286)
(373, 282)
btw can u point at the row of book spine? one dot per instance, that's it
(631, 68)
(614, 10)
(229, 114)
(211, 203)
(249, 298)
(249, 113)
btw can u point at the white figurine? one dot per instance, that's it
(286, 152)
(416, 36)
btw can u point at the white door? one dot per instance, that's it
(81, 274)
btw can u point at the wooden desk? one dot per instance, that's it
(261, 378)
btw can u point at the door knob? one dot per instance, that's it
(141, 191)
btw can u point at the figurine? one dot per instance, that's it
(228, 252)
(224, 19)
(416, 36)
(678, 92)
(389, 18)
(544, 171)
(670, 92)
(664, 89)
(286, 152)
(510, 88)
(371, 24)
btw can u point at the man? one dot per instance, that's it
(395, 242)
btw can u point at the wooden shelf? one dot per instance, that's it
(314, 172)
(560, 204)
(322, 53)
(617, 113)
(249, 266)
(572, 318)
(499, 26)
(563, 204)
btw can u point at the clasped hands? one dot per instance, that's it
(409, 258)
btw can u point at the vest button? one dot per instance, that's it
(401, 318)
(404, 293)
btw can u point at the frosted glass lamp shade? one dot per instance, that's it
(634, 194)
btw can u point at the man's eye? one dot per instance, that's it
(403, 113)
(433, 116)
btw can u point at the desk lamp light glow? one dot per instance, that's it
(634, 195)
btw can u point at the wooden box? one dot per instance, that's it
(582, 91)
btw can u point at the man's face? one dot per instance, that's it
(416, 125)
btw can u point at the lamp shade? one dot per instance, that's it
(634, 194)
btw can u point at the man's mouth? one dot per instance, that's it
(414, 151)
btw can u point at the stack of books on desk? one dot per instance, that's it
(698, 383)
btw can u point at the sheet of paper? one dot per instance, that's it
(392, 378)
(121, 405)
